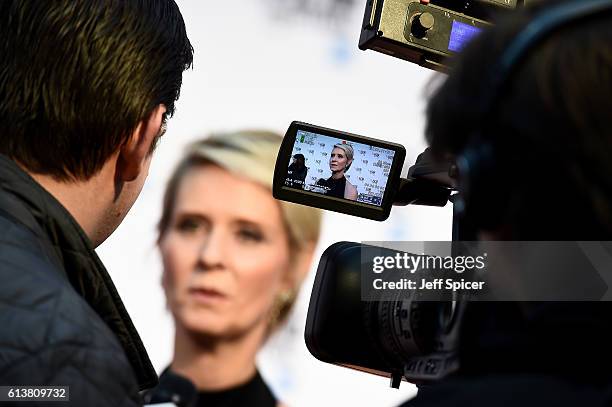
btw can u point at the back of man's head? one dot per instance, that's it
(549, 129)
(78, 76)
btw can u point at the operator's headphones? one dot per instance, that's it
(476, 163)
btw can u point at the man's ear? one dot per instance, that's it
(134, 153)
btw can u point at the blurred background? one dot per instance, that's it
(260, 64)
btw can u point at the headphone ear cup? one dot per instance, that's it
(479, 201)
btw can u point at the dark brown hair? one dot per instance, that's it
(77, 76)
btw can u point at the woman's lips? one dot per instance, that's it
(206, 295)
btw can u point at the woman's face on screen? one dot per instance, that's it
(225, 253)
(337, 160)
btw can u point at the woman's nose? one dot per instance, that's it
(212, 251)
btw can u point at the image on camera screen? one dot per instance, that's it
(338, 168)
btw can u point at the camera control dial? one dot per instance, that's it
(421, 24)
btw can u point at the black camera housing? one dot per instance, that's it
(400, 337)
(427, 33)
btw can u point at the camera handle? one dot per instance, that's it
(421, 191)
(432, 183)
(429, 182)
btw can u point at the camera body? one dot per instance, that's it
(398, 337)
(402, 337)
(426, 32)
(406, 337)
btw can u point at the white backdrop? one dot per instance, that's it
(263, 64)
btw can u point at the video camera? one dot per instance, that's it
(401, 337)
(427, 32)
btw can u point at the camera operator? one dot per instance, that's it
(540, 170)
(85, 91)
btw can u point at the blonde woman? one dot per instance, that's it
(233, 258)
(340, 161)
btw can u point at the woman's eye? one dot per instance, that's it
(250, 235)
(187, 225)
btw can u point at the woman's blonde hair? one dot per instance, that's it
(250, 154)
(348, 151)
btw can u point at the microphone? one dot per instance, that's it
(172, 390)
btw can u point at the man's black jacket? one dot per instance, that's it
(62, 321)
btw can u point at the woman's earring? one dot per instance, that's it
(280, 307)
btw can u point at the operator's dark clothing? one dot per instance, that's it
(62, 321)
(529, 355)
(515, 390)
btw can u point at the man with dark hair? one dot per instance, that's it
(539, 170)
(297, 171)
(85, 91)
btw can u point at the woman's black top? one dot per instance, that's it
(335, 186)
(254, 393)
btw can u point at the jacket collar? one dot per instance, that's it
(71, 250)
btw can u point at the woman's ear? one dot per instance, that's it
(301, 262)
